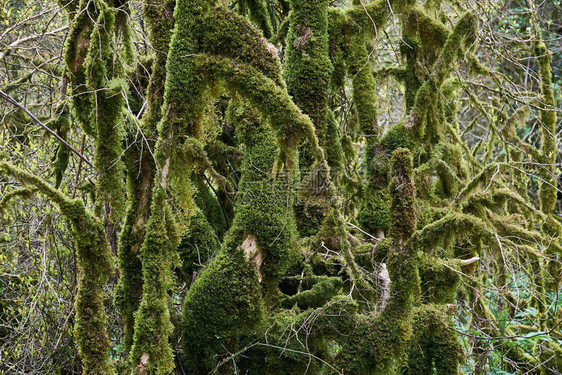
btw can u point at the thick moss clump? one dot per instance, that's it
(262, 208)
(223, 305)
(434, 347)
(198, 246)
(398, 136)
(222, 47)
(375, 213)
(439, 280)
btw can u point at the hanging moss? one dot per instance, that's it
(61, 124)
(75, 52)
(431, 32)
(158, 16)
(425, 109)
(107, 112)
(95, 264)
(549, 149)
(151, 351)
(260, 16)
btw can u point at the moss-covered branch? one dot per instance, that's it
(95, 263)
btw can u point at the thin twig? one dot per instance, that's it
(11, 100)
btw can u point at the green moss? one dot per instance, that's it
(338, 25)
(75, 52)
(260, 16)
(151, 350)
(129, 288)
(323, 289)
(107, 103)
(247, 64)
(108, 152)
(428, 109)
(368, 17)
(396, 137)
(332, 146)
(261, 208)
(288, 123)
(375, 213)
(376, 344)
(364, 88)
(547, 189)
(260, 247)
(223, 304)
(549, 355)
(61, 124)
(24, 193)
(123, 37)
(158, 16)
(432, 33)
(439, 280)
(159, 20)
(308, 67)
(434, 347)
(197, 246)
(287, 348)
(95, 264)
(211, 208)
(452, 225)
